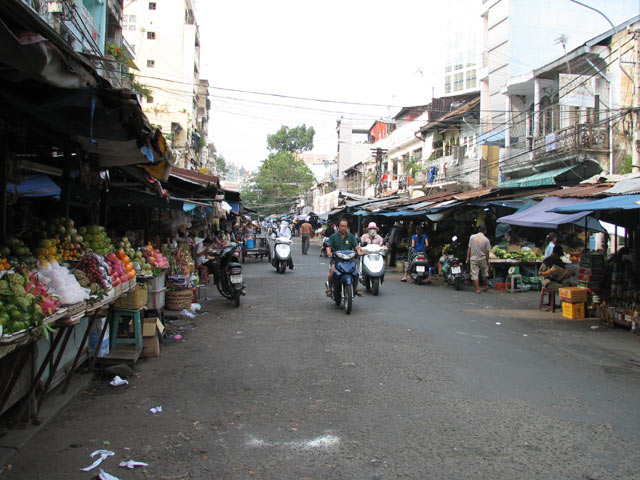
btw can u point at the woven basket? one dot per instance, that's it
(132, 283)
(178, 299)
(135, 299)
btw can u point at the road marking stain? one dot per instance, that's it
(324, 442)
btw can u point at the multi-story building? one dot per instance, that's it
(91, 27)
(520, 35)
(571, 118)
(166, 40)
(353, 151)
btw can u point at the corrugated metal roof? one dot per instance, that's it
(582, 191)
(195, 177)
(628, 186)
(477, 193)
(543, 178)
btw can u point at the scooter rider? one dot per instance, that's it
(285, 232)
(342, 240)
(371, 236)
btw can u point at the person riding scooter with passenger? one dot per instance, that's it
(342, 240)
(371, 236)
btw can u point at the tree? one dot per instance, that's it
(298, 139)
(221, 166)
(282, 178)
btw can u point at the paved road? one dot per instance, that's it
(421, 382)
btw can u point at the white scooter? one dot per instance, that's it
(372, 267)
(281, 254)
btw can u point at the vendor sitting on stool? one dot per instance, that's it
(553, 270)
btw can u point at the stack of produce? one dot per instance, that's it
(47, 250)
(141, 264)
(96, 270)
(62, 283)
(119, 272)
(25, 302)
(125, 245)
(4, 264)
(154, 257)
(124, 258)
(180, 261)
(523, 255)
(96, 239)
(69, 250)
(17, 253)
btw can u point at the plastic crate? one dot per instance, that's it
(573, 310)
(157, 283)
(156, 299)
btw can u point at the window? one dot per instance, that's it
(132, 18)
(458, 82)
(149, 99)
(151, 35)
(132, 27)
(151, 63)
(471, 79)
(459, 60)
(447, 84)
(152, 5)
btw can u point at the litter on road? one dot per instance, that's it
(131, 464)
(106, 476)
(104, 454)
(155, 410)
(117, 381)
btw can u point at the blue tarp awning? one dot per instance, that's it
(623, 202)
(401, 213)
(34, 186)
(540, 216)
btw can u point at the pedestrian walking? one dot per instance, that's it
(305, 231)
(478, 258)
(552, 238)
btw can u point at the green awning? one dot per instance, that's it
(539, 179)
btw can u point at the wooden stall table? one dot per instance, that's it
(509, 262)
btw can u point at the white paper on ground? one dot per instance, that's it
(187, 313)
(131, 464)
(103, 454)
(117, 381)
(106, 476)
(196, 307)
(155, 410)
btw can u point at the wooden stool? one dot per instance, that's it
(136, 316)
(514, 284)
(551, 305)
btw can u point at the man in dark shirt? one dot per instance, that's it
(342, 240)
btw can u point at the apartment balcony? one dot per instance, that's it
(586, 139)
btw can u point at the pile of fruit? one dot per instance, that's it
(47, 250)
(142, 266)
(154, 257)
(128, 264)
(96, 239)
(25, 302)
(62, 283)
(17, 253)
(96, 270)
(119, 273)
(523, 255)
(4, 265)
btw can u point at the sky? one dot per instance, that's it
(366, 51)
(356, 51)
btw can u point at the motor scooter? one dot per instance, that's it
(372, 267)
(227, 273)
(345, 277)
(419, 268)
(323, 249)
(452, 266)
(281, 254)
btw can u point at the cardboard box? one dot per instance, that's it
(573, 310)
(573, 294)
(149, 327)
(150, 347)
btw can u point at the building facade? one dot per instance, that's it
(166, 41)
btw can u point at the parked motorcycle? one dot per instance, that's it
(281, 254)
(419, 267)
(372, 267)
(325, 244)
(452, 266)
(227, 273)
(344, 279)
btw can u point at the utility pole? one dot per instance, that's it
(635, 148)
